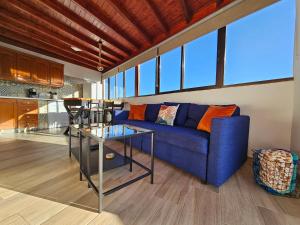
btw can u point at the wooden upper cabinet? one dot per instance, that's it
(7, 64)
(21, 67)
(24, 67)
(8, 114)
(56, 75)
(41, 72)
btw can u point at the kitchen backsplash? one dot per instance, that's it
(73, 88)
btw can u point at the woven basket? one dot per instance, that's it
(275, 170)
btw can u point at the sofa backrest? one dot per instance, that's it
(152, 111)
(195, 113)
(182, 112)
(188, 114)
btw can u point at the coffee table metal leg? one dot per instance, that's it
(100, 188)
(80, 155)
(152, 157)
(125, 148)
(130, 144)
(70, 139)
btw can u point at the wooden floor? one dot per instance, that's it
(39, 184)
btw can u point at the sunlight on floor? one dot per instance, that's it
(51, 136)
(19, 208)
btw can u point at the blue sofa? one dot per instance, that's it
(212, 157)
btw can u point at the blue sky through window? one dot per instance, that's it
(147, 77)
(130, 82)
(119, 86)
(201, 61)
(112, 87)
(106, 88)
(261, 45)
(170, 70)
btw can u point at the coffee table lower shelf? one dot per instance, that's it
(86, 173)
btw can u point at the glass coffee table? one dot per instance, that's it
(100, 133)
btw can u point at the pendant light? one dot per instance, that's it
(100, 68)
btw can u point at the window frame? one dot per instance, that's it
(220, 70)
(136, 84)
(181, 73)
(123, 85)
(139, 78)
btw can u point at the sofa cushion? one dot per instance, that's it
(137, 112)
(167, 115)
(185, 138)
(195, 113)
(152, 112)
(237, 111)
(181, 112)
(215, 112)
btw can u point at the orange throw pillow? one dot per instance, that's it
(215, 112)
(137, 112)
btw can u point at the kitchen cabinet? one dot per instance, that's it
(27, 114)
(24, 68)
(41, 71)
(21, 67)
(8, 114)
(7, 64)
(57, 75)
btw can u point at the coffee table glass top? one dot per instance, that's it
(103, 132)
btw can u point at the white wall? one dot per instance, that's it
(295, 139)
(270, 107)
(87, 90)
(70, 69)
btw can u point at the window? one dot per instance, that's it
(112, 84)
(96, 90)
(260, 46)
(119, 85)
(170, 70)
(130, 82)
(147, 77)
(106, 88)
(201, 61)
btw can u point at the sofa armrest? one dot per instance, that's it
(228, 148)
(120, 115)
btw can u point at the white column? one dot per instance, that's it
(295, 139)
(87, 90)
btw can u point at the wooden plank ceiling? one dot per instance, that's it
(127, 27)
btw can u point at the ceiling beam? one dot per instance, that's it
(47, 34)
(26, 37)
(186, 11)
(69, 14)
(33, 12)
(32, 34)
(98, 12)
(41, 51)
(126, 15)
(157, 15)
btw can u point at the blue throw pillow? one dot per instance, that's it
(237, 112)
(195, 113)
(152, 111)
(182, 112)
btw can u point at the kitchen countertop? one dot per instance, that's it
(40, 99)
